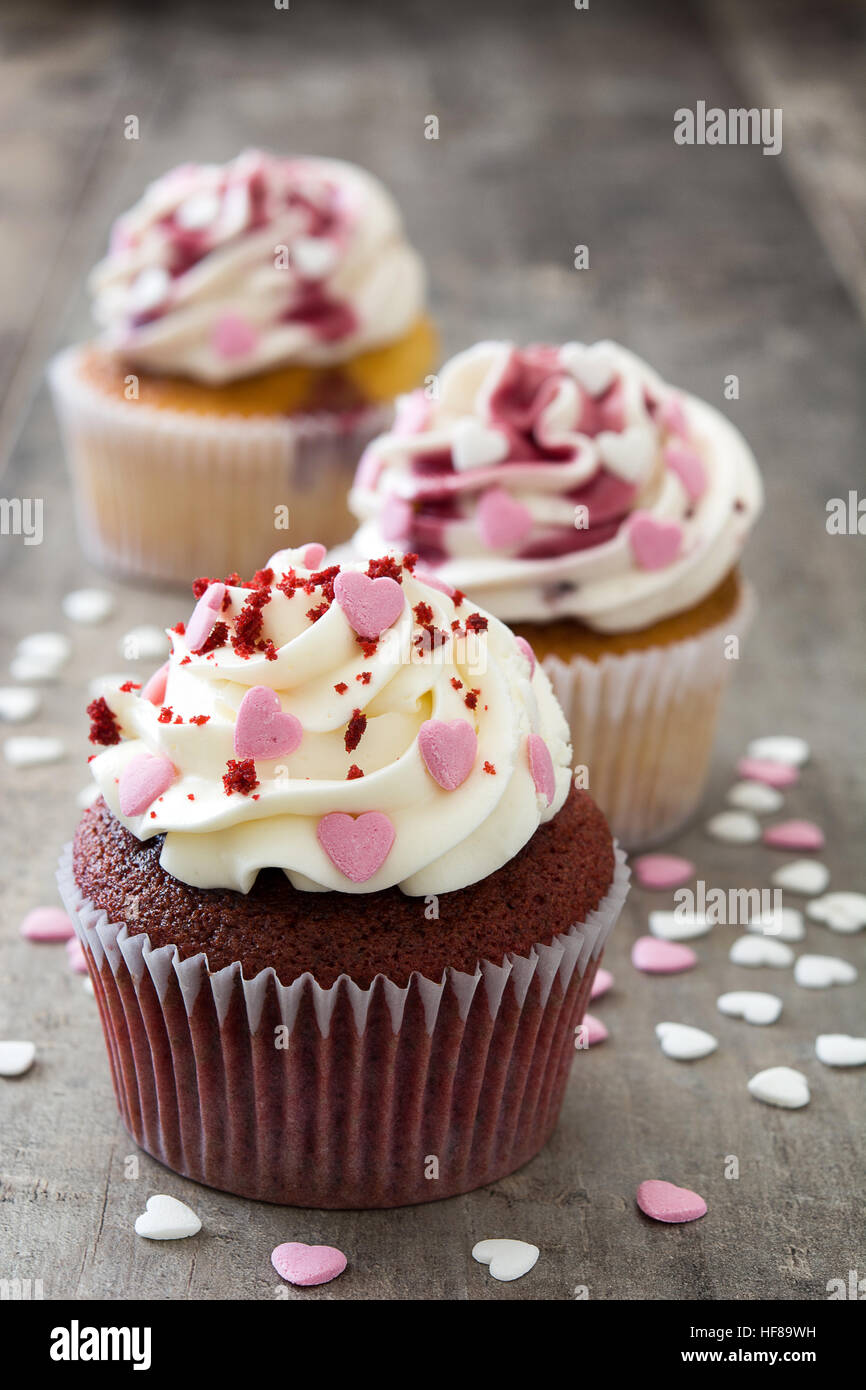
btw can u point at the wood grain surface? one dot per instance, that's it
(555, 129)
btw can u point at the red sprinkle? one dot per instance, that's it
(458, 685)
(423, 614)
(457, 597)
(129, 686)
(410, 560)
(471, 700)
(341, 687)
(218, 638)
(240, 776)
(190, 796)
(104, 727)
(364, 677)
(165, 715)
(355, 730)
(353, 773)
(476, 622)
(488, 767)
(385, 568)
(369, 648)
(314, 614)
(199, 719)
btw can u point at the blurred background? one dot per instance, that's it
(555, 130)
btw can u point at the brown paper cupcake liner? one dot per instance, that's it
(340, 1097)
(643, 725)
(165, 494)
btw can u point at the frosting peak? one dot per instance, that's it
(220, 271)
(355, 726)
(566, 481)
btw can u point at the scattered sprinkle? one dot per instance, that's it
(47, 924)
(664, 1201)
(684, 1043)
(16, 1057)
(734, 827)
(506, 1259)
(88, 606)
(308, 1265)
(31, 751)
(751, 1005)
(820, 972)
(167, 1219)
(662, 870)
(17, 703)
(782, 1086)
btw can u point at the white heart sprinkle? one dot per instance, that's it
(842, 912)
(751, 1005)
(594, 366)
(684, 1043)
(803, 876)
(87, 796)
(760, 950)
(476, 446)
(40, 656)
(785, 925)
(820, 972)
(508, 1259)
(678, 926)
(314, 257)
(28, 750)
(629, 454)
(144, 643)
(735, 827)
(781, 1086)
(88, 605)
(755, 796)
(148, 290)
(17, 703)
(840, 1050)
(780, 748)
(198, 210)
(167, 1219)
(16, 1058)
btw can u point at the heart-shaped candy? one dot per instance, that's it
(507, 1259)
(204, 616)
(307, 1265)
(780, 748)
(593, 365)
(47, 924)
(684, 1043)
(842, 912)
(756, 797)
(144, 778)
(541, 767)
(734, 827)
(820, 972)
(795, 834)
(784, 923)
(664, 1201)
(502, 520)
(313, 555)
(840, 1050)
(678, 925)
(593, 1030)
(601, 984)
(756, 951)
(448, 750)
(370, 605)
(395, 519)
(357, 846)
(233, 336)
(524, 646)
(655, 544)
(662, 870)
(689, 468)
(655, 957)
(803, 876)
(167, 1219)
(476, 446)
(771, 773)
(751, 1005)
(16, 1057)
(262, 728)
(628, 454)
(154, 689)
(782, 1086)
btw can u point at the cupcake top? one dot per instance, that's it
(562, 482)
(220, 271)
(357, 727)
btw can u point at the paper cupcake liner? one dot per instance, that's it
(643, 725)
(166, 494)
(339, 1097)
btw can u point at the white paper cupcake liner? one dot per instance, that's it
(643, 724)
(381, 1096)
(167, 495)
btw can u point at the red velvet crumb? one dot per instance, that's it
(104, 727)
(354, 730)
(341, 687)
(129, 686)
(240, 776)
(385, 568)
(353, 773)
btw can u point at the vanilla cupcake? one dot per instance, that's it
(341, 905)
(602, 514)
(257, 321)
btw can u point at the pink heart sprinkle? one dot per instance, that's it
(672, 417)
(502, 521)
(448, 750)
(154, 689)
(425, 577)
(541, 767)
(527, 652)
(689, 468)
(395, 519)
(76, 958)
(314, 554)
(47, 924)
(664, 1201)
(662, 870)
(655, 544)
(595, 1031)
(358, 847)
(765, 770)
(233, 336)
(413, 414)
(602, 983)
(144, 778)
(262, 728)
(655, 957)
(795, 834)
(370, 605)
(308, 1264)
(204, 616)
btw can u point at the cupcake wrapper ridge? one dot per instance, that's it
(341, 1097)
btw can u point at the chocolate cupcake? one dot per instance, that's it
(257, 321)
(603, 515)
(341, 904)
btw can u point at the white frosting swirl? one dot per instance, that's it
(561, 482)
(221, 271)
(443, 839)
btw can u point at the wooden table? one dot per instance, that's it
(555, 128)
